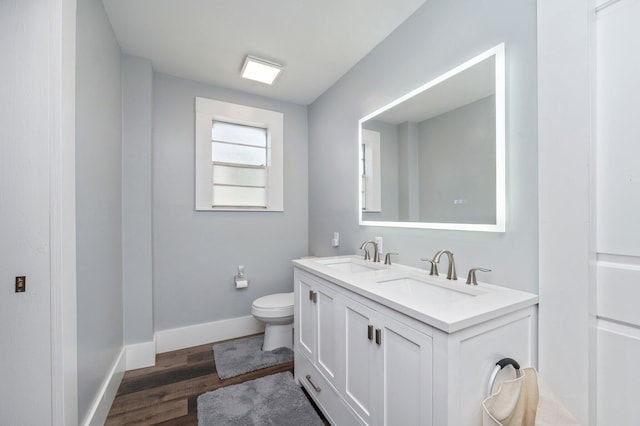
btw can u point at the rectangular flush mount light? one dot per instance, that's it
(260, 70)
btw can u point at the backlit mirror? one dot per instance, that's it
(435, 158)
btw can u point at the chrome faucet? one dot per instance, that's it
(376, 252)
(451, 272)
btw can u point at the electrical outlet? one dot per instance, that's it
(21, 284)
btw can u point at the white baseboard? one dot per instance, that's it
(99, 410)
(199, 334)
(141, 355)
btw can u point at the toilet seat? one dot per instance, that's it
(273, 305)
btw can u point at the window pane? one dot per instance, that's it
(230, 175)
(233, 196)
(238, 154)
(238, 133)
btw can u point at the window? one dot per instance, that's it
(370, 182)
(238, 157)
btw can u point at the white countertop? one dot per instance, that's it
(444, 304)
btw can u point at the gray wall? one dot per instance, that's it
(437, 37)
(458, 162)
(27, 49)
(137, 92)
(98, 200)
(195, 254)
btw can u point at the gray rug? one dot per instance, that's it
(271, 400)
(244, 355)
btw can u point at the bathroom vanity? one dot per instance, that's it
(391, 345)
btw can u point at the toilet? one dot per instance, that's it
(276, 311)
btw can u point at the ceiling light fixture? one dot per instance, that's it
(260, 70)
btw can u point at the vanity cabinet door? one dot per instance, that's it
(304, 318)
(316, 324)
(361, 379)
(406, 366)
(326, 329)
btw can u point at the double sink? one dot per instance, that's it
(445, 304)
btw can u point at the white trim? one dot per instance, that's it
(208, 110)
(101, 405)
(566, 256)
(199, 334)
(62, 217)
(619, 328)
(140, 355)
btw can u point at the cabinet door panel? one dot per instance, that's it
(407, 371)
(305, 322)
(360, 355)
(326, 349)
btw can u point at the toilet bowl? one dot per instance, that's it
(276, 311)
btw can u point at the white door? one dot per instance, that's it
(618, 212)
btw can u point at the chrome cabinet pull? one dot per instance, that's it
(370, 332)
(378, 336)
(315, 388)
(311, 295)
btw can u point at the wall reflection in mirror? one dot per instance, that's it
(435, 158)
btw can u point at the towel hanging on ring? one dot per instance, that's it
(525, 401)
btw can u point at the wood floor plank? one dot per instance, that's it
(162, 394)
(161, 378)
(151, 415)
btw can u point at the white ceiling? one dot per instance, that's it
(207, 40)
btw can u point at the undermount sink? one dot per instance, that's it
(412, 287)
(348, 265)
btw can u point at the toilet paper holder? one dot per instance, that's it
(239, 279)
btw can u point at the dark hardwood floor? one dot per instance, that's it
(166, 393)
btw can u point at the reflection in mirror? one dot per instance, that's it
(435, 158)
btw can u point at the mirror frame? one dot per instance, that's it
(500, 225)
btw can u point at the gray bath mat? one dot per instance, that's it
(244, 355)
(271, 400)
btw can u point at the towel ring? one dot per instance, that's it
(499, 366)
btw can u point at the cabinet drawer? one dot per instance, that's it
(324, 395)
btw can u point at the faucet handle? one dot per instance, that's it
(434, 266)
(387, 258)
(367, 255)
(471, 278)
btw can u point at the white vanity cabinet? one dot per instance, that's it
(369, 357)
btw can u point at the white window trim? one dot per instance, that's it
(208, 110)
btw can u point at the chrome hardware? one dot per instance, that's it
(434, 267)
(370, 332)
(378, 336)
(376, 252)
(313, 296)
(451, 272)
(499, 366)
(387, 258)
(471, 278)
(315, 388)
